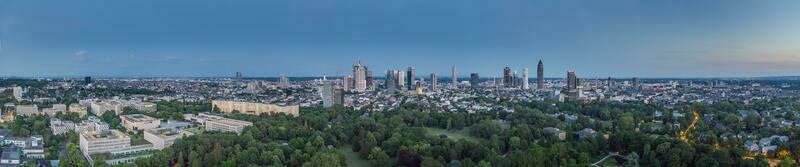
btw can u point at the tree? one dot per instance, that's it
(787, 162)
(378, 157)
(367, 144)
(325, 159)
(625, 123)
(74, 157)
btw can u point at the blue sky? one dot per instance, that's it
(619, 38)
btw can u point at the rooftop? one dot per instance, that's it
(137, 118)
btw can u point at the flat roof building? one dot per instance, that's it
(226, 125)
(137, 122)
(255, 108)
(164, 137)
(94, 142)
(27, 110)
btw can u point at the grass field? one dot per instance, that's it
(455, 135)
(351, 158)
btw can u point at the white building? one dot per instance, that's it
(78, 108)
(137, 122)
(17, 91)
(164, 137)
(227, 125)
(27, 110)
(99, 142)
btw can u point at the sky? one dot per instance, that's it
(266, 38)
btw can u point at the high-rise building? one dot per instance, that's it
(330, 95)
(401, 80)
(370, 80)
(636, 83)
(572, 80)
(525, 85)
(540, 75)
(390, 81)
(17, 92)
(474, 80)
(87, 80)
(609, 82)
(507, 78)
(454, 78)
(419, 88)
(410, 83)
(434, 81)
(347, 83)
(359, 77)
(239, 76)
(283, 81)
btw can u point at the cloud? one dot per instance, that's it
(82, 56)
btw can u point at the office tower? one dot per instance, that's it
(370, 80)
(401, 80)
(609, 82)
(572, 80)
(474, 79)
(347, 82)
(434, 81)
(410, 83)
(390, 81)
(87, 80)
(636, 84)
(525, 85)
(507, 78)
(239, 76)
(329, 95)
(359, 77)
(283, 81)
(540, 75)
(454, 78)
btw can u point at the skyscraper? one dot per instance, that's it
(359, 77)
(370, 80)
(636, 84)
(283, 81)
(474, 80)
(434, 81)
(390, 81)
(572, 80)
(347, 83)
(609, 82)
(328, 94)
(507, 78)
(454, 78)
(87, 80)
(410, 83)
(401, 80)
(525, 85)
(540, 75)
(239, 76)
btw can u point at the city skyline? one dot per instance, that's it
(621, 39)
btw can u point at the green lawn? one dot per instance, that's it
(454, 134)
(351, 158)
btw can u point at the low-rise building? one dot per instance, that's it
(255, 108)
(137, 122)
(227, 125)
(11, 156)
(164, 137)
(27, 110)
(113, 147)
(103, 142)
(77, 108)
(561, 135)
